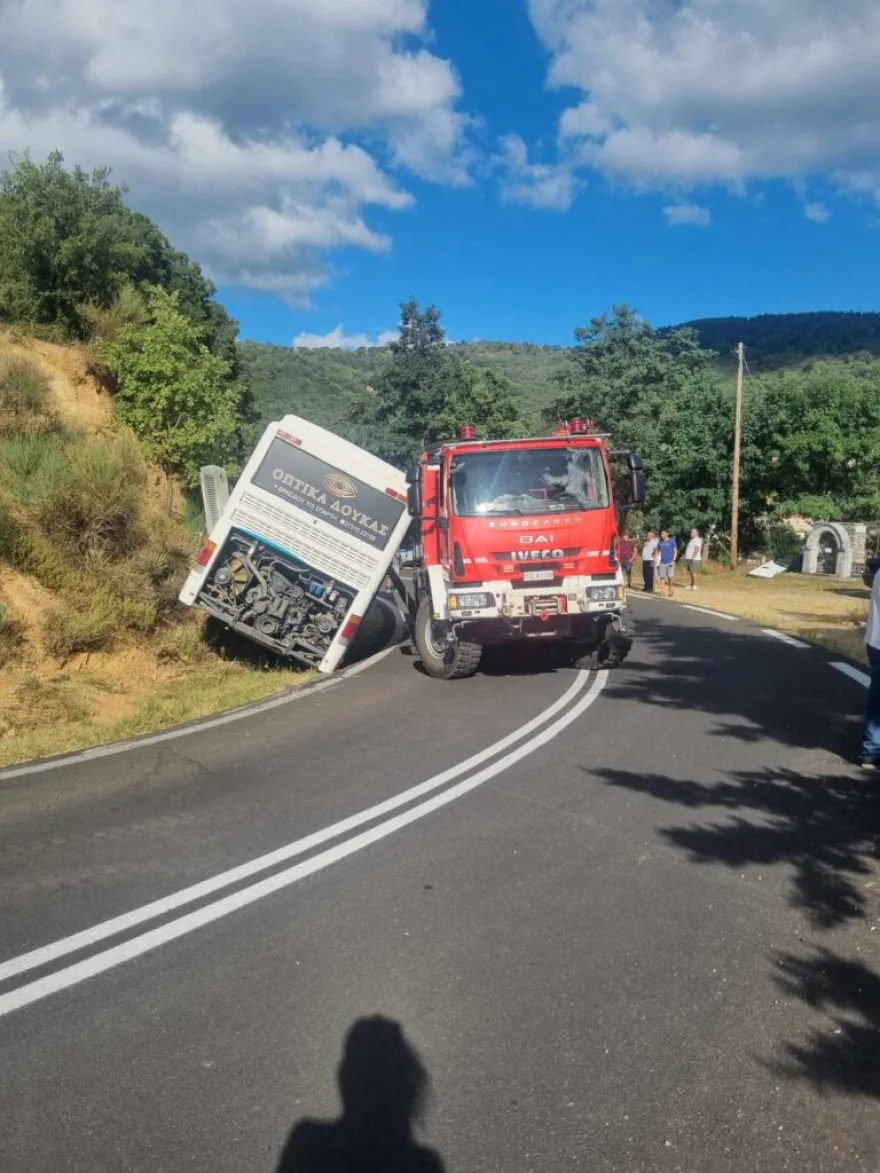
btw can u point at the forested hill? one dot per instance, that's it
(326, 385)
(773, 341)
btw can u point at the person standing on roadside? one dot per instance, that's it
(667, 549)
(693, 557)
(626, 552)
(649, 549)
(870, 759)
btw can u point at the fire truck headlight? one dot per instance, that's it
(600, 594)
(471, 602)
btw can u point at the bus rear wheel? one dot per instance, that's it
(441, 659)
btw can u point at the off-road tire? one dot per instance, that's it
(619, 641)
(458, 660)
(612, 651)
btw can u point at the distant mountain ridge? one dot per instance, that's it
(324, 384)
(780, 340)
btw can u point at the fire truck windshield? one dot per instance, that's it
(525, 481)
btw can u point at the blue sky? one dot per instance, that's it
(523, 164)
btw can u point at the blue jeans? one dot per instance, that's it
(871, 741)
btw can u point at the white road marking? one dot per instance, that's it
(137, 916)
(786, 639)
(854, 674)
(106, 751)
(706, 611)
(137, 946)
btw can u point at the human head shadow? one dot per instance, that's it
(384, 1086)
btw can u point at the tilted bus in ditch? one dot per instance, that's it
(303, 544)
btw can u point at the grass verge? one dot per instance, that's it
(830, 612)
(66, 700)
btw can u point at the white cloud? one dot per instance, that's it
(540, 185)
(338, 340)
(678, 94)
(818, 213)
(679, 215)
(236, 123)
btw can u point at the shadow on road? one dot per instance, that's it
(819, 817)
(384, 1087)
(824, 829)
(755, 690)
(515, 660)
(847, 1057)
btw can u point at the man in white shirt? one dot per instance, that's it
(649, 552)
(870, 759)
(693, 557)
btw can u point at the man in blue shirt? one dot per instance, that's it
(667, 548)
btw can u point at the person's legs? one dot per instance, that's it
(871, 736)
(648, 576)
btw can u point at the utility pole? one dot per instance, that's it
(737, 441)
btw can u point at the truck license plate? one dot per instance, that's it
(538, 575)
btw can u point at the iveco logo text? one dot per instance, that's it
(535, 555)
(339, 485)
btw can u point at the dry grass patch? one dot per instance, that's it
(830, 612)
(74, 712)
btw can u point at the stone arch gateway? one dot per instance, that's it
(835, 548)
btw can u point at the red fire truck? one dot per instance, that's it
(517, 540)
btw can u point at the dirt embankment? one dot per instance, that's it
(137, 663)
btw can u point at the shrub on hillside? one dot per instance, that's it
(69, 629)
(25, 407)
(83, 494)
(8, 534)
(11, 636)
(176, 396)
(183, 645)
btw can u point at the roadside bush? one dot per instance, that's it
(25, 404)
(11, 636)
(8, 534)
(26, 462)
(83, 494)
(183, 645)
(68, 630)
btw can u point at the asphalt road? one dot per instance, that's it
(635, 933)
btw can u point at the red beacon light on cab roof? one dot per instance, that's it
(467, 432)
(575, 427)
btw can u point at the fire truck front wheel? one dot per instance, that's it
(440, 658)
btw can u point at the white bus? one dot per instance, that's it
(303, 544)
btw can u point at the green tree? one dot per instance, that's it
(655, 393)
(623, 373)
(815, 440)
(175, 395)
(427, 391)
(70, 244)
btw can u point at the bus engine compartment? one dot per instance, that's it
(268, 597)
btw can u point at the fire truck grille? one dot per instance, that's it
(537, 605)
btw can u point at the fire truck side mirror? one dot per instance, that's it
(636, 468)
(414, 499)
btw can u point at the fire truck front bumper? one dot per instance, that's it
(546, 607)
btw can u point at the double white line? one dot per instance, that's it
(562, 713)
